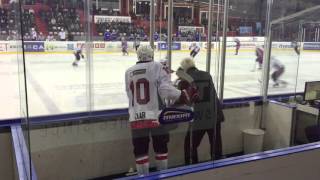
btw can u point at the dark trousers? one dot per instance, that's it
(141, 139)
(192, 143)
(137, 47)
(193, 53)
(276, 74)
(237, 49)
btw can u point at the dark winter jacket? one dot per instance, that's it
(208, 110)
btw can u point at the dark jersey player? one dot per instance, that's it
(78, 55)
(296, 48)
(259, 59)
(124, 46)
(137, 43)
(237, 41)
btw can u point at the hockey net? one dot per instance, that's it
(194, 29)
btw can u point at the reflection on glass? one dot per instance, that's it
(244, 35)
(11, 59)
(73, 47)
(293, 44)
(293, 52)
(189, 34)
(118, 34)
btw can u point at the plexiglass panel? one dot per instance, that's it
(294, 51)
(284, 61)
(17, 21)
(11, 56)
(82, 57)
(116, 147)
(56, 79)
(58, 61)
(243, 65)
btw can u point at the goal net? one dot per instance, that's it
(194, 29)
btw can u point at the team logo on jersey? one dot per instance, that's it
(175, 115)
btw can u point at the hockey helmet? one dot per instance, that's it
(145, 53)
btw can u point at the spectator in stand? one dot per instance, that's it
(156, 36)
(50, 37)
(34, 34)
(41, 37)
(13, 2)
(107, 35)
(53, 21)
(62, 35)
(11, 36)
(113, 35)
(60, 17)
(27, 37)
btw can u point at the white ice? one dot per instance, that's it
(55, 86)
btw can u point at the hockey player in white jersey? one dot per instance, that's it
(165, 63)
(147, 83)
(194, 49)
(278, 70)
(78, 55)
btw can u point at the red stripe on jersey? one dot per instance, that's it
(151, 123)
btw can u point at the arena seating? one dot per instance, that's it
(52, 16)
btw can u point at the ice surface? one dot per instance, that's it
(55, 86)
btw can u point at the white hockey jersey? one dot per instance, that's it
(194, 47)
(275, 63)
(147, 84)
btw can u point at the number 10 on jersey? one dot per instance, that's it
(141, 91)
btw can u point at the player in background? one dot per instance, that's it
(137, 43)
(259, 59)
(147, 83)
(278, 70)
(124, 46)
(78, 55)
(50, 37)
(237, 41)
(296, 48)
(194, 49)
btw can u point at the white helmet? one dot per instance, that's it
(145, 53)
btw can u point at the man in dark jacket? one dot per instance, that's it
(208, 115)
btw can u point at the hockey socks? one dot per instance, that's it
(142, 165)
(162, 161)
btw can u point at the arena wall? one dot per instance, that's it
(247, 44)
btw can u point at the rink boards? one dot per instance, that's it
(48, 47)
